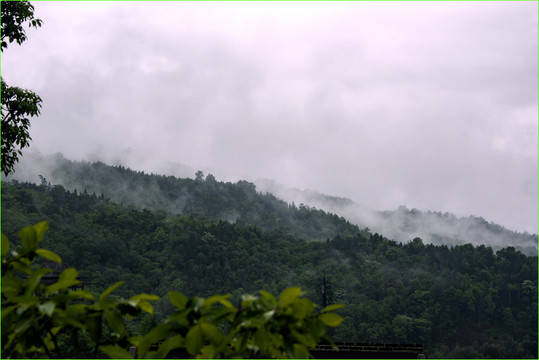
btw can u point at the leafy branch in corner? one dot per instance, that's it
(35, 316)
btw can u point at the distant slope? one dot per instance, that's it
(268, 205)
(203, 196)
(404, 224)
(446, 228)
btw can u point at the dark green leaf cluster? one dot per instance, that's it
(14, 15)
(18, 105)
(36, 315)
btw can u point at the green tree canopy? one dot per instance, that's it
(18, 105)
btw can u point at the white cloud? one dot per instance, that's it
(432, 105)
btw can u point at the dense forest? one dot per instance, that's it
(202, 196)
(264, 205)
(459, 302)
(402, 224)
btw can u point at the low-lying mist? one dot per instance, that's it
(402, 224)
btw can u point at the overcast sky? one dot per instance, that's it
(431, 105)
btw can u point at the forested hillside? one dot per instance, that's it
(203, 196)
(461, 301)
(404, 224)
(263, 205)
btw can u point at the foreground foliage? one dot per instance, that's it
(35, 316)
(459, 302)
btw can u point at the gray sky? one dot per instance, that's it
(430, 105)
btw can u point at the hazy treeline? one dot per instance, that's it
(404, 224)
(244, 202)
(461, 301)
(202, 196)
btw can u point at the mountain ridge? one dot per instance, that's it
(153, 191)
(404, 224)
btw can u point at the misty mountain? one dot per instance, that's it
(202, 196)
(268, 205)
(405, 224)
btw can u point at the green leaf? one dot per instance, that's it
(94, 327)
(226, 304)
(25, 300)
(195, 302)
(136, 340)
(145, 297)
(301, 352)
(317, 329)
(115, 321)
(110, 289)
(331, 319)
(115, 352)
(76, 311)
(75, 323)
(22, 327)
(40, 229)
(5, 245)
(217, 299)
(194, 340)
(303, 339)
(82, 294)
(332, 308)
(169, 344)
(208, 352)
(247, 300)
(219, 313)
(69, 274)
(34, 279)
(159, 332)
(146, 306)
(28, 237)
(48, 255)
(269, 297)
(56, 330)
(302, 308)
(11, 286)
(288, 296)
(104, 304)
(67, 278)
(31, 235)
(177, 299)
(211, 332)
(141, 344)
(47, 308)
(243, 341)
(22, 267)
(268, 315)
(261, 339)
